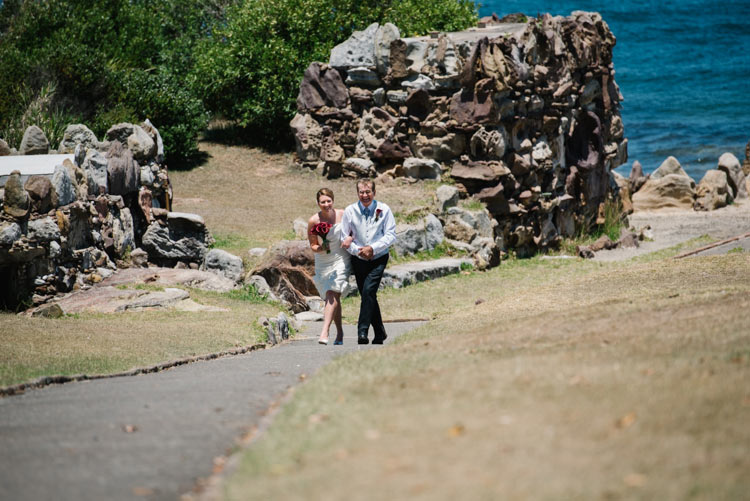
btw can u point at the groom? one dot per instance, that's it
(371, 225)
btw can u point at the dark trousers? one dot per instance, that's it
(368, 275)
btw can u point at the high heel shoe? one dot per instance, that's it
(322, 341)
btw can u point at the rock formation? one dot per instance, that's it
(73, 227)
(522, 116)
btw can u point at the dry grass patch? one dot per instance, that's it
(249, 198)
(101, 344)
(589, 381)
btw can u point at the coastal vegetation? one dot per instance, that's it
(179, 63)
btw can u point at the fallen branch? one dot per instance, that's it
(711, 246)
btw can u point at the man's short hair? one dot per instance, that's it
(367, 181)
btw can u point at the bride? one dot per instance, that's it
(332, 266)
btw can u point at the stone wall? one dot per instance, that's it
(522, 116)
(69, 218)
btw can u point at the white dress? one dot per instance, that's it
(332, 270)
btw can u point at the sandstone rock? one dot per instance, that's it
(42, 194)
(446, 196)
(424, 235)
(16, 201)
(668, 191)
(670, 166)
(43, 230)
(4, 149)
(713, 191)
(422, 168)
(63, 186)
(735, 175)
(76, 134)
(226, 264)
(34, 142)
(439, 148)
(9, 233)
(123, 172)
(308, 137)
(374, 127)
(359, 167)
(357, 50)
(141, 145)
(489, 144)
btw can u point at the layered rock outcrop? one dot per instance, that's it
(523, 116)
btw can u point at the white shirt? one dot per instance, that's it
(378, 229)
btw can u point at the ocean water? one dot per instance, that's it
(683, 67)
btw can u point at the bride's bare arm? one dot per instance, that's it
(313, 239)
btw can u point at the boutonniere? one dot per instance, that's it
(378, 212)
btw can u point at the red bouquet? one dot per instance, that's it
(321, 230)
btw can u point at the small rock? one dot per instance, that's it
(51, 310)
(300, 230)
(34, 142)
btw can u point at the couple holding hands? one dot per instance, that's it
(356, 239)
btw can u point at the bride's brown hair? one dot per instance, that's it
(324, 191)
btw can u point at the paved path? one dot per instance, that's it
(150, 436)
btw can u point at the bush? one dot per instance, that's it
(249, 70)
(107, 61)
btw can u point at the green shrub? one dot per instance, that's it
(249, 70)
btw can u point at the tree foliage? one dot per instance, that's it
(100, 62)
(104, 60)
(250, 69)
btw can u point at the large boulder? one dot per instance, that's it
(63, 185)
(422, 168)
(152, 131)
(384, 36)
(223, 263)
(43, 230)
(16, 201)
(424, 235)
(465, 225)
(141, 144)
(94, 166)
(321, 86)
(34, 142)
(74, 135)
(182, 238)
(308, 137)
(713, 191)
(42, 193)
(670, 191)
(123, 172)
(358, 50)
(735, 175)
(9, 233)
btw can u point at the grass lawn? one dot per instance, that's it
(538, 379)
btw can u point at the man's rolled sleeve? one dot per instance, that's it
(389, 234)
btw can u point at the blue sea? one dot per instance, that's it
(683, 67)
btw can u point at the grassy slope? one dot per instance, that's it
(566, 380)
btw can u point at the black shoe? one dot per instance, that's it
(363, 340)
(379, 340)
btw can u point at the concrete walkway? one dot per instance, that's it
(150, 436)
